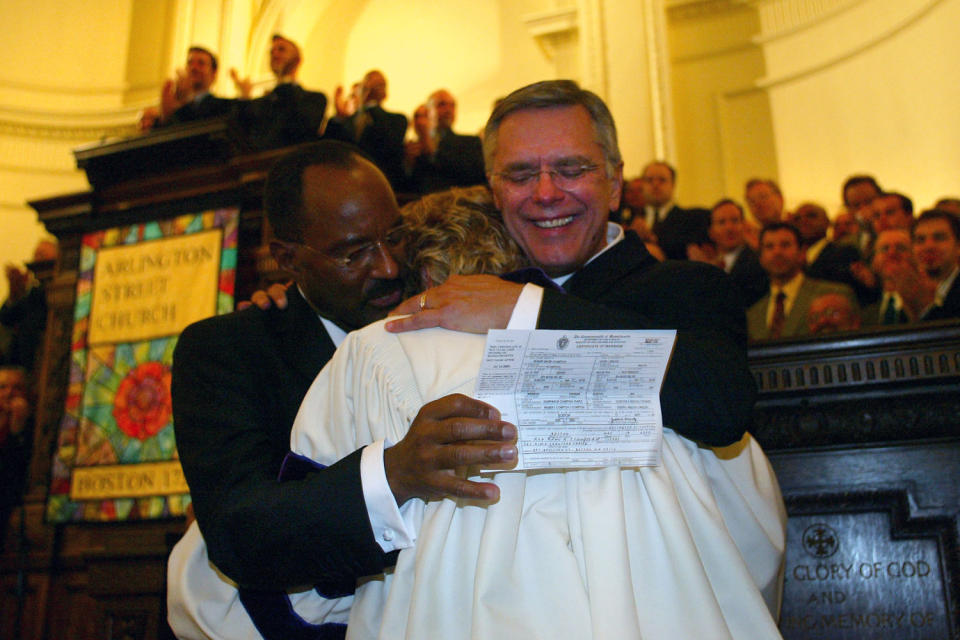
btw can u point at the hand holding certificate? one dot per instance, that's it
(579, 398)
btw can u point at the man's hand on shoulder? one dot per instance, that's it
(454, 431)
(474, 304)
(275, 294)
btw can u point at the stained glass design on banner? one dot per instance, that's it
(116, 456)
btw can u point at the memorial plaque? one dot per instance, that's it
(849, 578)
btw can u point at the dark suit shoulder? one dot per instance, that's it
(951, 304)
(842, 251)
(238, 381)
(251, 326)
(750, 276)
(209, 106)
(626, 288)
(681, 227)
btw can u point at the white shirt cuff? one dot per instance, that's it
(527, 309)
(390, 527)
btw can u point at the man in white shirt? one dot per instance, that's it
(899, 273)
(658, 181)
(892, 210)
(674, 227)
(783, 312)
(936, 243)
(727, 230)
(765, 200)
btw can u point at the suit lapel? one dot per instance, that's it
(796, 322)
(304, 343)
(598, 277)
(952, 299)
(743, 259)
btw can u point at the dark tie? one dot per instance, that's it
(892, 315)
(779, 315)
(890, 311)
(532, 275)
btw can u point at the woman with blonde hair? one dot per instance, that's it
(458, 231)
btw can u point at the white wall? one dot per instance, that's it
(873, 88)
(478, 50)
(723, 124)
(62, 84)
(809, 93)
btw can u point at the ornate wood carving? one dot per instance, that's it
(871, 465)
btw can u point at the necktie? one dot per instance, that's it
(779, 315)
(890, 311)
(892, 315)
(532, 275)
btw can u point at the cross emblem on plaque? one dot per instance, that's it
(820, 541)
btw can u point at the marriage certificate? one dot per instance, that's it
(579, 398)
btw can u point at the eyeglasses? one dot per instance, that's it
(361, 257)
(563, 176)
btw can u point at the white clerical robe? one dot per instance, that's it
(692, 548)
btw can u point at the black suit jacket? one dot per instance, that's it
(708, 392)
(950, 307)
(381, 138)
(24, 322)
(238, 381)
(833, 264)
(747, 273)
(209, 106)
(458, 162)
(286, 116)
(679, 228)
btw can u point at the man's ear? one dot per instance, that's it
(496, 196)
(616, 187)
(285, 255)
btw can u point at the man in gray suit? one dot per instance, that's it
(783, 311)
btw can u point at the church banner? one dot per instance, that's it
(137, 288)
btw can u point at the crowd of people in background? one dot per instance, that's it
(799, 272)
(435, 159)
(876, 263)
(23, 318)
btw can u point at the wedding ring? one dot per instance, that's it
(423, 301)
